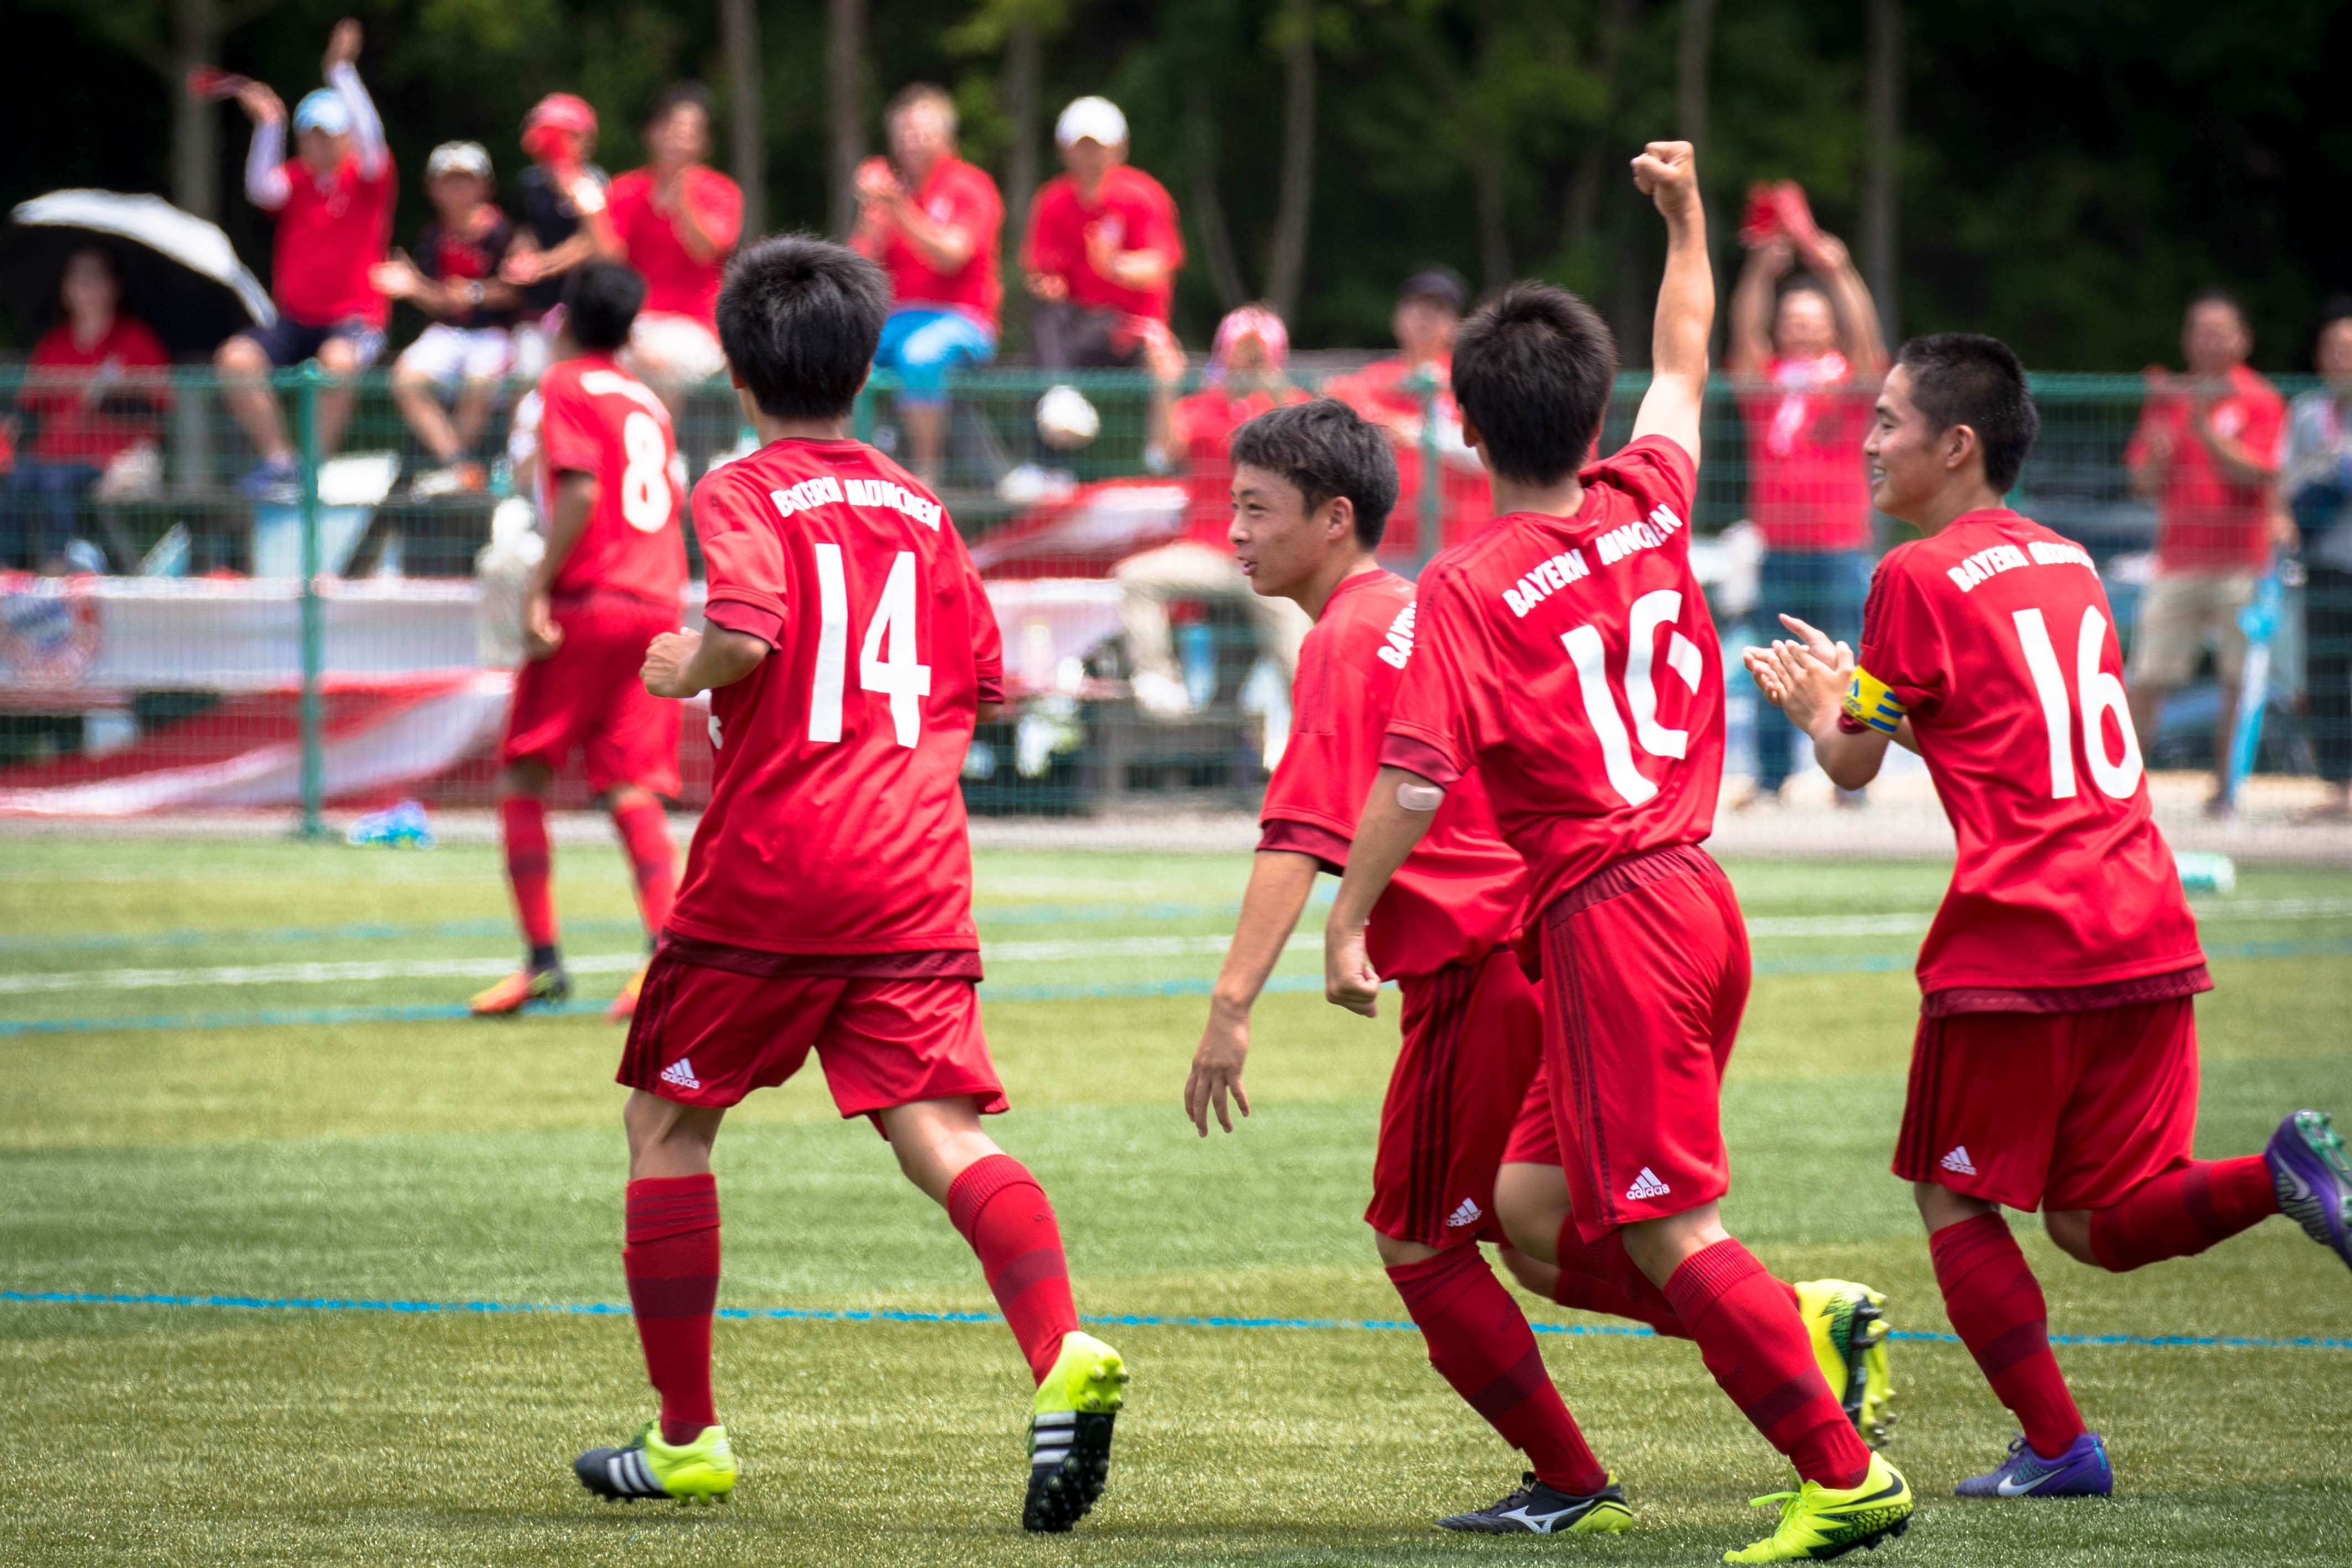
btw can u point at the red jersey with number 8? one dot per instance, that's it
(836, 822)
(1995, 637)
(597, 419)
(1572, 662)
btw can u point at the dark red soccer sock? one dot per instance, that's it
(653, 860)
(2182, 1212)
(1598, 1277)
(1996, 1307)
(672, 1262)
(1754, 1343)
(1479, 1342)
(1001, 1211)
(522, 819)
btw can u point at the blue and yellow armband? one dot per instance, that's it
(1869, 702)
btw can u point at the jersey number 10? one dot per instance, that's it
(887, 661)
(1651, 612)
(2101, 694)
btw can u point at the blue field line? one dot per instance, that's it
(1115, 1319)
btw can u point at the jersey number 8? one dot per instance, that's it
(887, 660)
(645, 482)
(2101, 694)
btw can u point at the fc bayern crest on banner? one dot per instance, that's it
(50, 632)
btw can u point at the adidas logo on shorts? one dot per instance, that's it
(1958, 1161)
(680, 1073)
(1646, 1185)
(1467, 1213)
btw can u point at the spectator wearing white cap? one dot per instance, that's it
(468, 346)
(1101, 256)
(333, 204)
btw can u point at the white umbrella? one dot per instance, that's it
(181, 238)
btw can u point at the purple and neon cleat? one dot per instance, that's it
(2312, 1178)
(2081, 1471)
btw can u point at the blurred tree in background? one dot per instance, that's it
(2064, 173)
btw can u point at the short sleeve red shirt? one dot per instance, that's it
(597, 419)
(675, 283)
(1131, 211)
(1807, 489)
(1458, 895)
(1996, 637)
(1573, 663)
(1204, 426)
(2205, 521)
(326, 241)
(957, 194)
(70, 427)
(1384, 392)
(836, 822)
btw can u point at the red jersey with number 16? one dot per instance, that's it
(597, 419)
(1571, 661)
(835, 841)
(1995, 636)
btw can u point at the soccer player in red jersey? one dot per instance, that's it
(827, 903)
(611, 582)
(1567, 655)
(1312, 486)
(2055, 1063)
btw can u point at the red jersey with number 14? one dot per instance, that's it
(1995, 636)
(597, 419)
(835, 841)
(1571, 661)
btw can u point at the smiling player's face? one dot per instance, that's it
(1281, 545)
(1905, 452)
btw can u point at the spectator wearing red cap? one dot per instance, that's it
(932, 221)
(1244, 379)
(93, 397)
(1402, 392)
(678, 219)
(566, 219)
(1809, 347)
(1100, 259)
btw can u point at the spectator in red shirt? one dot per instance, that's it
(1100, 259)
(1244, 380)
(333, 204)
(1395, 393)
(679, 220)
(85, 407)
(933, 223)
(1809, 350)
(2207, 453)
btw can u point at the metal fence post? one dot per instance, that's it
(314, 630)
(1432, 481)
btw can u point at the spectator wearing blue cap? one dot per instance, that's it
(333, 204)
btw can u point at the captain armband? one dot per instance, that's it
(1870, 704)
(1418, 795)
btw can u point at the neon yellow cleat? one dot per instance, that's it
(523, 986)
(1070, 1433)
(1819, 1521)
(700, 1471)
(1848, 1322)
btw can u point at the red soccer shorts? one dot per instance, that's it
(2062, 1110)
(1472, 1036)
(1645, 974)
(586, 694)
(709, 1037)
(1534, 1135)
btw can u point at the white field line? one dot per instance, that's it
(993, 952)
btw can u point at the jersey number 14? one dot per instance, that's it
(2101, 694)
(887, 660)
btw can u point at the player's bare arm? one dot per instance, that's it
(1397, 814)
(1667, 172)
(1811, 689)
(575, 503)
(1280, 881)
(681, 664)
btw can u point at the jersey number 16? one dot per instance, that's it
(2101, 693)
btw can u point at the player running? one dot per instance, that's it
(1549, 650)
(2055, 1064)
(827, 903)
(611, 579)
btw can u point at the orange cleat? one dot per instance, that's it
(510, 994)
(624, 1006)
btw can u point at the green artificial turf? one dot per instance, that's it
(455, 1162)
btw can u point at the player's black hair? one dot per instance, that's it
(1967, 378)
(601, 300)
(1439, 285)
(799, 318)
(1325, 448)
(2214, 294)
(1532, 371)
(677, 95)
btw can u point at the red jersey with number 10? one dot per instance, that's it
(837, 823)
(597, 419)
(1571, 661)
(1995, 636)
